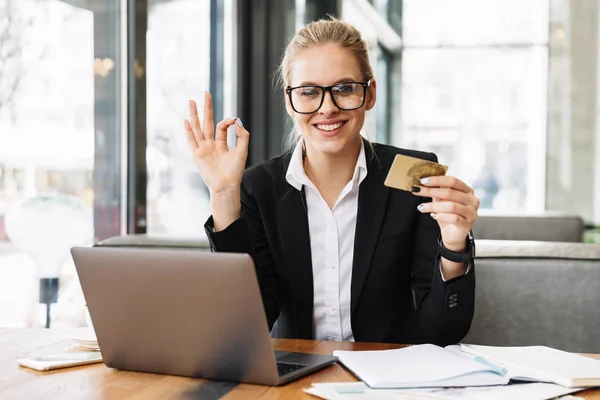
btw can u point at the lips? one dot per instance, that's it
(329, 127)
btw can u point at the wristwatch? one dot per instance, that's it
(463, 257)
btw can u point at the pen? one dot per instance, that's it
(493, 366)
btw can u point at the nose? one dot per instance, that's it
(328, 107)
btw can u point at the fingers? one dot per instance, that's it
(221, 139)
(446, 181)
(208, 125)
(222, 128)
(453, 219)
(449, 208)
(243, 136)
(191, 140)
(450, 194)
(447, 188)
(195, 122)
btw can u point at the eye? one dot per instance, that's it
(309, 91)
(344, 89)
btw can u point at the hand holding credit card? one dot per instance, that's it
(407, 172)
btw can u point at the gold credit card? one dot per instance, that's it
(407, 172)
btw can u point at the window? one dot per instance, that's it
(473, 90)
(59, 135)
(178, 70)
(372, 21)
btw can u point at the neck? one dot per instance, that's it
(335, 170)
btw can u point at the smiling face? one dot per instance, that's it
(329, 130)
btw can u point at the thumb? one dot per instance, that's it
(243, 137)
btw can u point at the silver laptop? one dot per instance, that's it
(184, 312)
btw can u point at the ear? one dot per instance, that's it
(371, 94)
(288, 105)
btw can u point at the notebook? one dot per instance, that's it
(428, 365)
(424, 365)
(542, 364)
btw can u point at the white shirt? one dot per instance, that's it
(332, 234)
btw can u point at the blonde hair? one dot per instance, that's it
(318, 33)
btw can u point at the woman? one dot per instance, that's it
(338, 254)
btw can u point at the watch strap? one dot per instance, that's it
(459, 257)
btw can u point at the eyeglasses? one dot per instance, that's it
(308, 99)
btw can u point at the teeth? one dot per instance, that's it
(329, 127)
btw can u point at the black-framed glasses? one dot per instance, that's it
(307, 99)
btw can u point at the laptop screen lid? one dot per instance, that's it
(179, 312)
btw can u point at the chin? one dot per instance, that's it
(329, 149)
(331, 142)
(332, 146)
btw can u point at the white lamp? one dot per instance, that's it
(46, 227)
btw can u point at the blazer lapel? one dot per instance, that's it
(295, 241)
(372, 203)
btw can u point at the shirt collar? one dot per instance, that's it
(296, 176)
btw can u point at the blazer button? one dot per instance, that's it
(453, 300)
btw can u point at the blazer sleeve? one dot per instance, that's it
(247, 235)
(444, 308)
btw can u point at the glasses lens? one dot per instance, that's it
(348, 96)
(306, 99)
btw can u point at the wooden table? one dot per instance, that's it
(99, 382)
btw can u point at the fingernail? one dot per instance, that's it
(239, 122)
(415, 189)
(425, 181)
(433, 215)
(420, 207)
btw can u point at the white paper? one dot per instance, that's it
(543, 363)
(360, 391)
(423, 365)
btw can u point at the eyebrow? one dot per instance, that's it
(310, 83)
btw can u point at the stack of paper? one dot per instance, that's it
(360, 391)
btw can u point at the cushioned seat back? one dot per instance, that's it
(145, 240)
(547, 228)
(537, 293)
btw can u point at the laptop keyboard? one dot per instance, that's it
(285, 368)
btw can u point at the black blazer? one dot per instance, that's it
(395, 253)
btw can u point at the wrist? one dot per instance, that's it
(459, 252)
(225, 207)
(457, 247)
(225, 193)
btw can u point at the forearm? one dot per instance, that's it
(226, 207)
(245, 234)
(445, 298)
(446, 312)
(452, 269)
